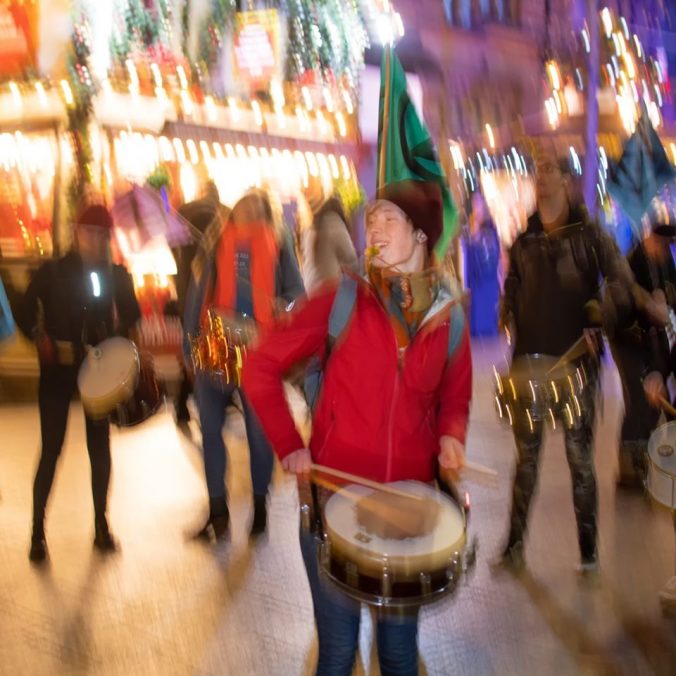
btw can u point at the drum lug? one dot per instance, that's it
(425, 583)
(305, 518)
(469, 559)
(352, 575)
(453, 568)
(386, 584)
(325, 553)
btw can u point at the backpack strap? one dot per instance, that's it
(341, 310)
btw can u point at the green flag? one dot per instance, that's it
(405, 147)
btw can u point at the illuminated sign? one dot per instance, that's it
(256, 46)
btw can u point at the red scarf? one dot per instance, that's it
(259, 239)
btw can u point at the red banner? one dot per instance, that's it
(18, 35)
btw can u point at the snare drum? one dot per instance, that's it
(534, 389)
(661, 478)
(387, 550)
(113, 384)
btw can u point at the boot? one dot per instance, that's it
(511, 558)
(218, 522)
(260, 516)
(631, 465)
(103, 538)
(38, 550)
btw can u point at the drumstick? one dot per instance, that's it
(366, 500)
(325, 483)
(481, 469)
(667, 407)
(566, 356)
(364, 482)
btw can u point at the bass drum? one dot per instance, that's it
(114, 384)
(108, 376)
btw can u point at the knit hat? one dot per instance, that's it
(421, 202)
(95, 215)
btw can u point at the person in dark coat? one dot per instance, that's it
(71, 303)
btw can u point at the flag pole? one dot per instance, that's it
(386, 117)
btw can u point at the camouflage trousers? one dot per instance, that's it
(580, 455)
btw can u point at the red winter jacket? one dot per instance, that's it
(377, 415)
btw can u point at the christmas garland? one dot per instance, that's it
(80, 112)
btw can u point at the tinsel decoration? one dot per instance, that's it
(326, 41)
(350, 193)
(144, 32)
(80, 111)
(213, 29)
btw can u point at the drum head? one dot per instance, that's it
(108, 374)
(374, 529)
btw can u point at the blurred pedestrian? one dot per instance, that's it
(326, 246)
(482, 269)
(644, 344)
(201, 214)
(246, 270)
(71, 303)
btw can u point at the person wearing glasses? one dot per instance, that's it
(566, 278)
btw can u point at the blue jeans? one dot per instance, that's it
(337, 617)
(212, 402)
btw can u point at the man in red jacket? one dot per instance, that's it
(395, 398)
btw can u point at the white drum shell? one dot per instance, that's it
(661, 478)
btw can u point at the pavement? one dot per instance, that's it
(165, 605)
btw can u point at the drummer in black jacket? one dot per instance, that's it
(643, 347)
(559, 269)
(661, 351)
(72, 302)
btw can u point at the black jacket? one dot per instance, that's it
(61, 302)
(552, 278)
(651, 342)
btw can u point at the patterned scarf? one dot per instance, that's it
(405, 297)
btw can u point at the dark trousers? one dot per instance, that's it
(337, 617)
(212, 402)
(56, 388)
(184, 392)
(640, 419)
(579, 453)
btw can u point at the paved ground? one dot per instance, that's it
(165, 606)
